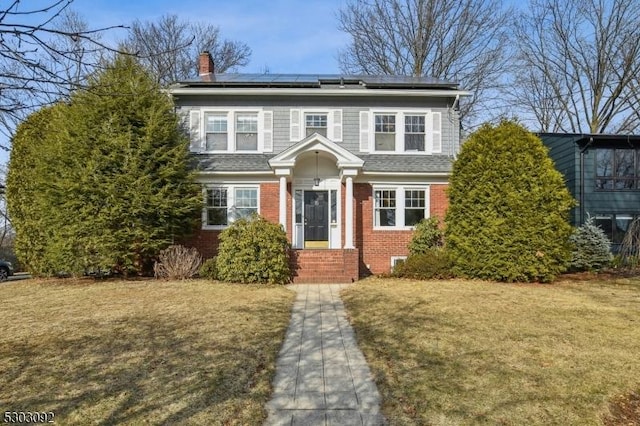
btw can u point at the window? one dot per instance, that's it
(622, 223)
(247, 132)
(226, 204)
(216, 131)
(216, 207)
(316, 123)
(617, 169)
(615, 226)
(385, 209)
(246, 202)
(606, 224)
(385, 132)
(414, 207)
(414, 133)
(399, 206)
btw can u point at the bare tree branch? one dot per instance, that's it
(587, 53)
(460, 40)
(169, 48)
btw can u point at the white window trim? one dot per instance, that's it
(400, 207)
(400, 129)
(231, 129)
(334, 128)
(231, 198)
(394, 259)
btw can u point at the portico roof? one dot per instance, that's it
(316, 142)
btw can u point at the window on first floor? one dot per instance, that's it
(615, 226)
(399, 207)
(223, 205)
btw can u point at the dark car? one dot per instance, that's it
(6, 270)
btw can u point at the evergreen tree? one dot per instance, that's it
(508, 208)
(116, 179)
(592, 248)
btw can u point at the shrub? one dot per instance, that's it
(209, 269)
(426, 236)
(177, 263)
(591, 247)
(254, 251)
(508, 208)
(434, 263)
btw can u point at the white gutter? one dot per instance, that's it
(314, 91)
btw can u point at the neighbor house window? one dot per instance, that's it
(414, 207)
(385, 132)
(247, 132)
(216, 131)
(316, 123)
(617, 169)
(414, 133)
(228, 203)
(385, 208)
(216, 207)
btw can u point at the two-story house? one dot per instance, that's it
(602, 172)
(346, 164)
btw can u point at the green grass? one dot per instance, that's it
(462, 352)
(133, 352)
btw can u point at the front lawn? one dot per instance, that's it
(133, 352)
(462, 352)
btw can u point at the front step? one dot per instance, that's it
(324, 266)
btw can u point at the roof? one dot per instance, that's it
(592, 137)
(317, 81)
(373, 163)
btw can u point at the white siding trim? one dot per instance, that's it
(195, 131)
(294, 126)
(334, 125)
(365, 131)
(267, 131)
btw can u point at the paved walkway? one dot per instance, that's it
(322, 377)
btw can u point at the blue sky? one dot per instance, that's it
(286, 36)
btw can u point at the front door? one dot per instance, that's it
(316, 219)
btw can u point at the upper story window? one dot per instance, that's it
(316, 123)
(414, 133)
(238, 130)
(247, 132)
(385, 132)
(228, 203)
(399, 207)
(325, 122)
(617, 169)
(216, 134)
(404, 131)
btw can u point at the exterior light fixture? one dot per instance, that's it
(316, 180)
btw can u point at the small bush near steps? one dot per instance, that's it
(254, 251)
(209, 269)
(177, 263)
(432, 264)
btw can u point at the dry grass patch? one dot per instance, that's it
(460, 352)
(132, 352)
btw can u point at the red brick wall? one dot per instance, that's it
(378, 246)
(374, 247)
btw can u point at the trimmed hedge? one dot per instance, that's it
(254, 251)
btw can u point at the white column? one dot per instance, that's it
(283, 202)
(348, 214)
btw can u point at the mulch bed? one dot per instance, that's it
(625, 410)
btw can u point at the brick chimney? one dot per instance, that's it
(205, 64)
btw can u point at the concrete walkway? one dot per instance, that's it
(322, 377)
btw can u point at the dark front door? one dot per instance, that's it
(316, 219)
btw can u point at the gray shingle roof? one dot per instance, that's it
(372, 163)
(406, 163)
(231, 162)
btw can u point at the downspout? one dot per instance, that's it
(581, 198)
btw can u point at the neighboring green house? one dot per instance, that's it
(603, 174)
